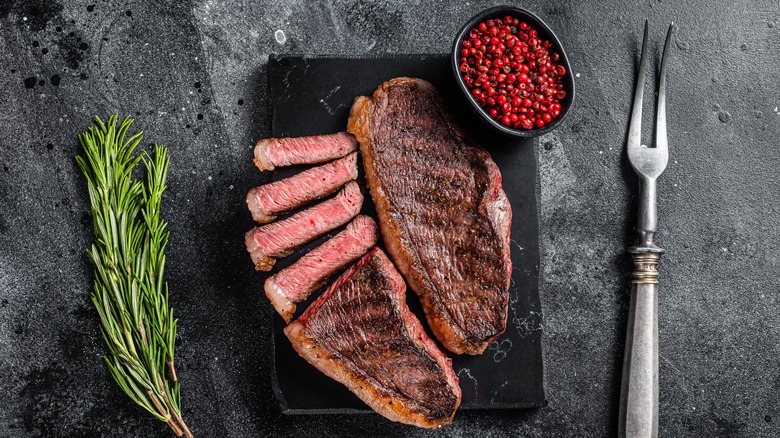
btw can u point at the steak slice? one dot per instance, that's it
(279, 239)
(268, 200)
(272, 152)
(296, 282)
(443, 214)
(361, 333)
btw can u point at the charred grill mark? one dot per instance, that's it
(363, 324)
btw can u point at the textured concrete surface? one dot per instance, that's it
(194, 76)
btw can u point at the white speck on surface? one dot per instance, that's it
(24, 18)
(601, 152)
(281, 38)
(497, 390)
(529, 324)
(231, 187)
(324, 101)
(577, 75)
(776, 110)
(500, 349)
(209, 178)
(467, 372)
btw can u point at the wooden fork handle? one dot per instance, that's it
(639, 389)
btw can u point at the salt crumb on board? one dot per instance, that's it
(281, 38)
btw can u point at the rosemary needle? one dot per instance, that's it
(130, 293)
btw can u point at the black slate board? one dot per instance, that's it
(312, 95)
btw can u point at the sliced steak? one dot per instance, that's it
(268, 200)
(361, 333)
(278, 239)
(296, 282)
(443, 214)
(273, 152)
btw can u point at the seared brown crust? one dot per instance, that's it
(464, 287)
(283, 304)
(361, 333)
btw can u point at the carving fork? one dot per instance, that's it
(639, 389)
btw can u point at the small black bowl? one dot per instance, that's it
(544, 33)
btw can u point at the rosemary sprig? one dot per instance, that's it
(130, 293)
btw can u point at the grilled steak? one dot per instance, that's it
(361, 333)
(272, 152)
(443, 214)
(278, 239)
(296, 282)
(268, 200)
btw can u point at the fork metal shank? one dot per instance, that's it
(647, 222)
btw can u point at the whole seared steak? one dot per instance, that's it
(442, 212)
(361, 333)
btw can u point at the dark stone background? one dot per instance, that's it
(194, 75)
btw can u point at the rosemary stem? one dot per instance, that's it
(160, 408)
(175, 415)
(175, 427)
(173, 371)
(143, 333)
(184, 427)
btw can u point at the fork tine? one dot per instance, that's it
(661, 141)
(635, 128)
